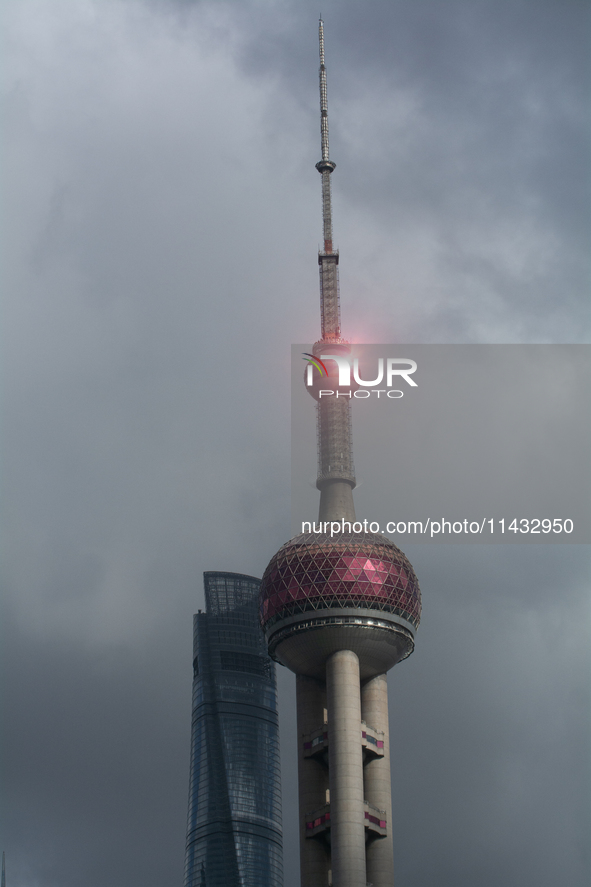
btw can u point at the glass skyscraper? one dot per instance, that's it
(234, 836)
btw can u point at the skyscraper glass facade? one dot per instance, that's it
(234, 836)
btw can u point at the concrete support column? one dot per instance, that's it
(313, 781)
(336, 501)
(345, 770)
(378, 790)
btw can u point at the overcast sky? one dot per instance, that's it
(160, 234)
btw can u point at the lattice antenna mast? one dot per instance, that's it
(336, 474)
(330, 312)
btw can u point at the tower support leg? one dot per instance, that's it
(378, 789)
(313, 781)
(345, 770)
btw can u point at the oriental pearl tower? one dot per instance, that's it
(340, 612)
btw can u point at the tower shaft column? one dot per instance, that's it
(378, 789)
(347, 821)
(312, 781)
(336, 502)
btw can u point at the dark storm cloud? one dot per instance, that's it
(460, 133)
(500, 733)
(163, 219)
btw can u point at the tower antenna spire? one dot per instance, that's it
(328, 259)
(323, 94)
(336, 474)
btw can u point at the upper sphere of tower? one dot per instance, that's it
(354, 591)
(315, 570)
